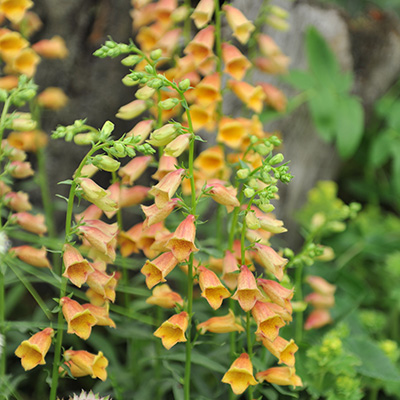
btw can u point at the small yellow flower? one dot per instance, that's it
(82, 363)
(155, 271)
(164, 297)
(226, 323)
(77, 268)
(282, 376)
(202, 13)
(211, 288)
(241, 26)
(173, 330)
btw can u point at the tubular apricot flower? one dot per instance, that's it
(103, 284)
(155, 271)
(33, 351)
(317, 319)
(277, 293)
(21, 169)
(32, 256)
(142, 16)
(31, 223)
(132, 196)
(131, 110)
(79, 320)
(211, 288)
(15, 10)
(8, 82)
(52, 98)
(17, 201)
(276, 65)
(77, 268)
(51, 48)
(97, 195)
(226, 323)
(247, 292)
(155, 214)
(241, 26)
(229, 270)
(178, 145)
(28, 140)
(164, 10)
(208, 91)
(173, 330)
(11, 43)
(166, 165)
(142, 129)
(166, 188)
(201, 45)
(182, 242)
(128, 240)
(82, 363)
(274, 97)
(163, 296)
(211, 161)
(26, 62)
(320, 285)
(134, 169)
(268, 322)
(281, 349)
(236, 64)
(101, 314)
(231, 132)
(202, 13)
(148, 36)
(319, 300)
(252, 96)
(282, 376)
(271, 260)
(240, 374)
(202, 117)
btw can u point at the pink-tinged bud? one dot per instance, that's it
(155, 214)
(201, 45)
(167, 187)
(142, 129)
(31, 223)
(134, 169)
(223, 195)
(80, 321)
(241, 26)
(166, 165)
(132, 196)
(164, 297)
(26, 62)
(268, 46)
(268, 322)
(82, 363)
(285, 313)
(229, 270)
(274, 97)
(128, 240)
(269, 223)
(4, 188)
(101, 314)
(208, 90)
(247, 292)
(236, 64)
(317, 319)
(97, 195)
(281, 349)
(252, 96)
(282, 376)
(173, 330)
(13, 153)
(155, 271)
(28, 140)
(277, 293)
(8, 82)
(202, 13)
(275, 65)
(224, 324)
(51, 48)
(33, 351)
(231, 132)
(91, 212)
(319, 300)
(31, 23)
(103, 284)
(211, 161)
(11, 43)
(178, 145)
(18, 202)
(271, 260)
(32, 256)
(211, 288)
(182, 242)
(240, 374)
(131, 110)
(20, 169)
(163, 135)
(22, 121)
(320, 285)
(52, 98)
(77, 268)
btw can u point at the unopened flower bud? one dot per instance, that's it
(276, 159)
(278, 11)
(168, 104)
(83, 139)
(164, 135)
(155, 83)
(277, 23)
(185, 84)
(252, 222)
(156, 54)
(249, 192)
(106, 163)
(3, 95)
(131, 60)
(253, 184)
(149, 69)
(145, 93)
(267, 207)
(243, 173)
(127, 80)
(107, 129)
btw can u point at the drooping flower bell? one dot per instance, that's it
(163, 296)
(226, 323)
(271, 260)
(173, 330)
(77, 268)
(236, 64)
(282, 376)
(32, 256)
(202, 13)
(268, 322)
(281, 349)
(201, 45)
(241, 26)
(82, 363)
(155, 271)
(211, 288)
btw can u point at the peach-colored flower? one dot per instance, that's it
(201, 45)
(131, 110)
(277, 293)
(91, 212)
(182, 242)
(211, 161)
(150, 235)
(241, 26)
(276, 65)
(142, 129)
(320, 285)
(11, 43)
(155, 214)
(17, 201)
(134, 169)
(281, 349)
(80, 321)
(148, 36)
(236, 64)
(225, 195)
(103, 284)
(224, 324)
(229, 270)
(142, 16)
(247, 292)
(15, 10)
(317, 319)
(26, 62)
(32, 256)
(211, 288)
(52, 98)
(155, 271)
(101, 314)
(128, 240)
(97, 195)
(33, 351)
(166, 188)
(164, 10)
(268, 322)
(282, 376)
(202, 13)
(252, 96)
(202, 117)
(231, 132)
(208, 91)
(8, 82)
(178, 145)
(274, 97)
(51, 48)
(319, 300)
(77, 268)
(32, 223)
(163, 296)
(21, 169)
(271, 260)
(166, 164)
(173, 330)
(132, 196)
(28, 140)
(82, 363)
(169, 42)
(240, 374)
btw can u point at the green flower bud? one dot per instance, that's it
(110, 44)
(267, 207)
(243, 173)
(131, 60)
(84, 139)
(277, 23)
(145, 93)
(185, 84)
(156, 54)
(168, 104)
(119, 149)
(106, 163)
(164, 135)
(149, 69)
(107, 129)
(249, 192)
(252, 222)
(253, 184)
(278, 11)
(262, 149)
(3, 95)
(155, 83)
(276, 159)
(128, 81)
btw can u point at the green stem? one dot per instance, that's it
(249, 348)
(158, 366)
(2, 330)
(299, 297)
(373, 394)
(187, 24)
(234, 220)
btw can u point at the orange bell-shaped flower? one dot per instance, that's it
(173, 330)
(211, 288)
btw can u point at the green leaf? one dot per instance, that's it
(375, 364)
(396, 168)
(300, 79)
(198, 359)
(393, 116)
(350, 125)
(380, 149)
